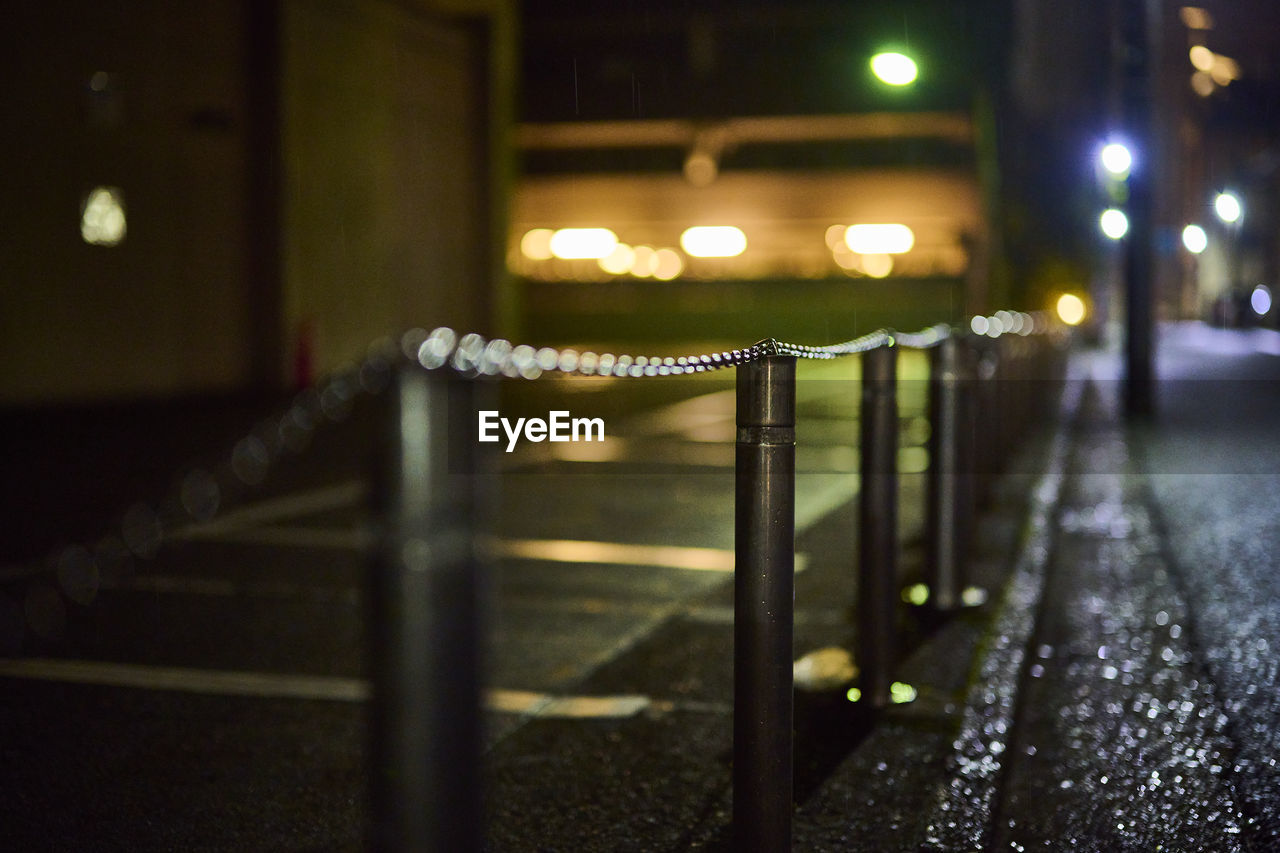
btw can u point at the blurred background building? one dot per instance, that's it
(213, 197)
(764, 127)
(240, 195)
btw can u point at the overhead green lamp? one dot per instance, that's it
(894, 69)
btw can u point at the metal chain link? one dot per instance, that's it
(473, 355)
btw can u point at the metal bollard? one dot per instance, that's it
(989, 412)
(944, 564)
(966, 446)
(764, 583)
(878, 525)
(424, 623)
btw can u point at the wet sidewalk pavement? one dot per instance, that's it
(1125, 695)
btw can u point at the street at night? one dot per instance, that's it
(543, 425)
(214, 696)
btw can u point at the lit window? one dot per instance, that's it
(713, 241)
(583, 243)
(102, 221)
(886, 239)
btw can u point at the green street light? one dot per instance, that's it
(895, 69)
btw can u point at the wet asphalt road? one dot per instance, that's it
(211, 695)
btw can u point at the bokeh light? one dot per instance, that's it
(877, 264)
(713, 241)
(1114, 223)
(879, 239)
(200, 494)
(900, 693)
(582, 243)
(667, 264)
(1224, 70)
(1116, 159)
(77, 574)
(1201, 57)
(916, 594)
(1194, 238)
(1228, 208)
(701, 169)
(536, 244)
(142, 531)
(835, 237)
(1195, 18)
(619, 261)
(1071, 309)
(645, 262)
(102, 219)
(1260, 300)
(1202, 83)
(895, 69)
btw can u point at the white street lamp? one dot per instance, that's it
(1228, 208)
(1116, 159)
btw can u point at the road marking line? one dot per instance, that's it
(337, 539)
(189, 585)
(566, 707)
(687, 417)
(689, 558)
(350, 493)
(616, 553)
(624, 554)
(818, 495)
(187, 680)
(551, 550)
(267, 685)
